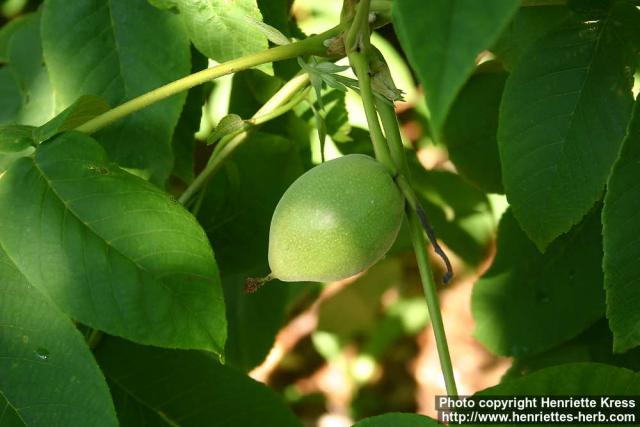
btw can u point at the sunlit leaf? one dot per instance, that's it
(110, 249)
(138, 48)
(223, 30)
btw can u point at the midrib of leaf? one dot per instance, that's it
(9, 405)
(87, 226)
(159, 413)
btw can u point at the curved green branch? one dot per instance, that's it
(314, 45)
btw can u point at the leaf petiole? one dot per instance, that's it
(282, 101)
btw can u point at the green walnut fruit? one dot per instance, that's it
(335, 221)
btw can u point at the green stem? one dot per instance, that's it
(277, 112)
(431, 294)
(394, 139)
(258, 120)
(274, 107)
(356, 44)
(310, 46)
(392, 132)
(281, 102)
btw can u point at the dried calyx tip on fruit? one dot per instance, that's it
(252, 284)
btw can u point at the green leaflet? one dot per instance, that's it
(563, 116)
(621, 230)
(527, 25)
(442, 46)
(110, 249)
(528, 302)
(48, 376)
(189, 389)
(101, 47)
(224, 30)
